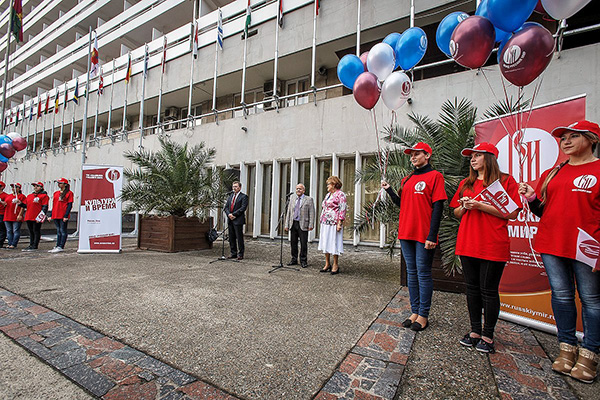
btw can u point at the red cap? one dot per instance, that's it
(63, 180)
(421, 146)
(481, 148)
(38, 184)
(580, 126)
(16, 184)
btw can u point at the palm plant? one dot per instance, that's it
(175, 180)
(448, 135)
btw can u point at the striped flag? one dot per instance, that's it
(76, 93)
(145, 61)
(101, 83)
(195, 45)
(220, 30)
(31, 110)
(66, 96)
(95, 61)
(56, 102)
(164, 57)
(248, 19)
(128, 73)
(280, 14)
(16, 26)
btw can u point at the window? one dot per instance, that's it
(285, 185)
(297, 86)
(347, 175)
(304, 175)
(324, 172)
(369, 195)
(265, 218)
(252, 96)
(251, 194)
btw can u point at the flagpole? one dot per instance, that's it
(358, 30)
(53, 120)
(28, 126)
(412, 12)
(144, 75)
(97, 109)
(276, 59)
(23, 120)
(6, 58)
(126, 91)
(193, 37)
(162, 73)
(73, 118)
(87, 95)
(112, 89)
(44, 126)
(62, 122)
(314, 49)
(214, 99)
(35, 130)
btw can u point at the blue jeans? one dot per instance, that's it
(61, 233)
(418, 268)
(13, 232)
(562, 274)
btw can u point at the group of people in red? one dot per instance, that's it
(564, 205)
(15, 208)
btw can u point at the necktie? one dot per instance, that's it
(297, 210)
(232, 202)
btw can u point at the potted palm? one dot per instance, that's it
(174, 188)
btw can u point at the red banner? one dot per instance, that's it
(525, 154)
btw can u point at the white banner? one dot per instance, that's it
(100, 209)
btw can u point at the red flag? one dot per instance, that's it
(280, 14)
(195, 48)
(17, 20)
(94, 58)
(101, 83)
(164, 58)
(318, 6)
(495, 195)
(39, 114)
(56, 102)
(47, 103)
(128, 74)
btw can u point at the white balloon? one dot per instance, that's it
(561, 9)
(13, 135)
(396, 90)
(381, 60)
(19, 154)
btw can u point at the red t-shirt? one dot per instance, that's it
(59, 207)
(3, 196)
(9, 212)
(573, 201)
(417, 198)
(482, 235)
(35, 207)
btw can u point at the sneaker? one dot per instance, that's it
(566, 359)
(52, 251)
(485, 347)
(56, 250)
(469, 341)
(28, 248)
(586, 366)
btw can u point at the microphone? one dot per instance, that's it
(289, 194)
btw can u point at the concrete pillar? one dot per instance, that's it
(313, 191)
(335, 165)
(244, 181)
(275, 193)
(357, 197)
(258, 182)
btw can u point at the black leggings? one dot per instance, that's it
(482, 278)
(35, 233)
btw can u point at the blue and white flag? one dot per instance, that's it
(220, 30)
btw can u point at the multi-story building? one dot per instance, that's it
(296, 123)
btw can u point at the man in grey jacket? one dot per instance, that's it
(300, 219)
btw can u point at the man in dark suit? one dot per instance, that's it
(235, 207)
(299, 219)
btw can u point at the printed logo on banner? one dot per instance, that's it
(585, 182)
(590, 248)
(535, 143)
(112, 175)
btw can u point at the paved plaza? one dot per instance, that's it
(142, 324)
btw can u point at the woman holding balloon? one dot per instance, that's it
(568, 197)
(13, 215)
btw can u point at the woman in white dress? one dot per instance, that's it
(333, 214)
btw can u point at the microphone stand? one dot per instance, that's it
(280, 225)
(222, 234)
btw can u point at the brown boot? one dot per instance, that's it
(566, 359)
(586, 366)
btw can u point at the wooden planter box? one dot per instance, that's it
(172, 234)
(453, 283)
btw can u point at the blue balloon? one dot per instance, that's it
(445, 29)
(501, 47)
(392, 40)
(509, 15)
(482, 11)
(5, 139)
(3, 159)
(411, 48)
(348, 69)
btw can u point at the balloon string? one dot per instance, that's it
(497, 99)
(529, 234)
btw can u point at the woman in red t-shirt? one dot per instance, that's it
(421, 202)
(482, 242)
(62, 202)
(13, 215)
(568, 201)
(34, 204)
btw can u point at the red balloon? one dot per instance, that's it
(363, 58)
(366, 90)
(19, 143)
(526, 55)
(7, 150)
(3, 166)
(473, 41)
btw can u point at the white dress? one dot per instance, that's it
(333, 210)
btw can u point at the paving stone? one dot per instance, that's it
(157, 367)
(89, 379)
(339, 383)
(8, 320)
(49, 316)
(127, 354)
(147, 375)
(24, 304)
(145, 391)
(172, 395)
(36, 309)
(36, 348)
(6, 293)
(56, 337)
(69, 359)
(30, 321)
(201, 390)
(18, 332)
(180, 378)
(66, 346)
(117, 370)
(80, 329)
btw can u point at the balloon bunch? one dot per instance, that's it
(525, 48)
(372, 75)
(12, 146)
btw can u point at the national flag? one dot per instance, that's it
(94, 58)
(101, 83)
(39, 113)
(76, 93)
(128, 73)
(145, 61)
(12, 115)
(220, 30)
(588, 250)
(30, 110)
(495, 195)
(47, 103)
(17, 121)
(195, 45)
(248, 19)
(280, 14)
(16, 26)
(56, 102)
(164, 57)
(66, 96)
(318, 7)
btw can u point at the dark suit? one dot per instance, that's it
(236, 226)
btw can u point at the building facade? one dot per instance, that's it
(296, 122)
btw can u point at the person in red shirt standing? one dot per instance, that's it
(34, 204)
(13, 215)
(482, 242)
(567, 200)
(62, 202)
(3, 196)
(421, 202)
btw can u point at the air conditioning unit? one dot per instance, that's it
(268, 88)
(171, 113)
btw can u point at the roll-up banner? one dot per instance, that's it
(524, 288)
(100, 209)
